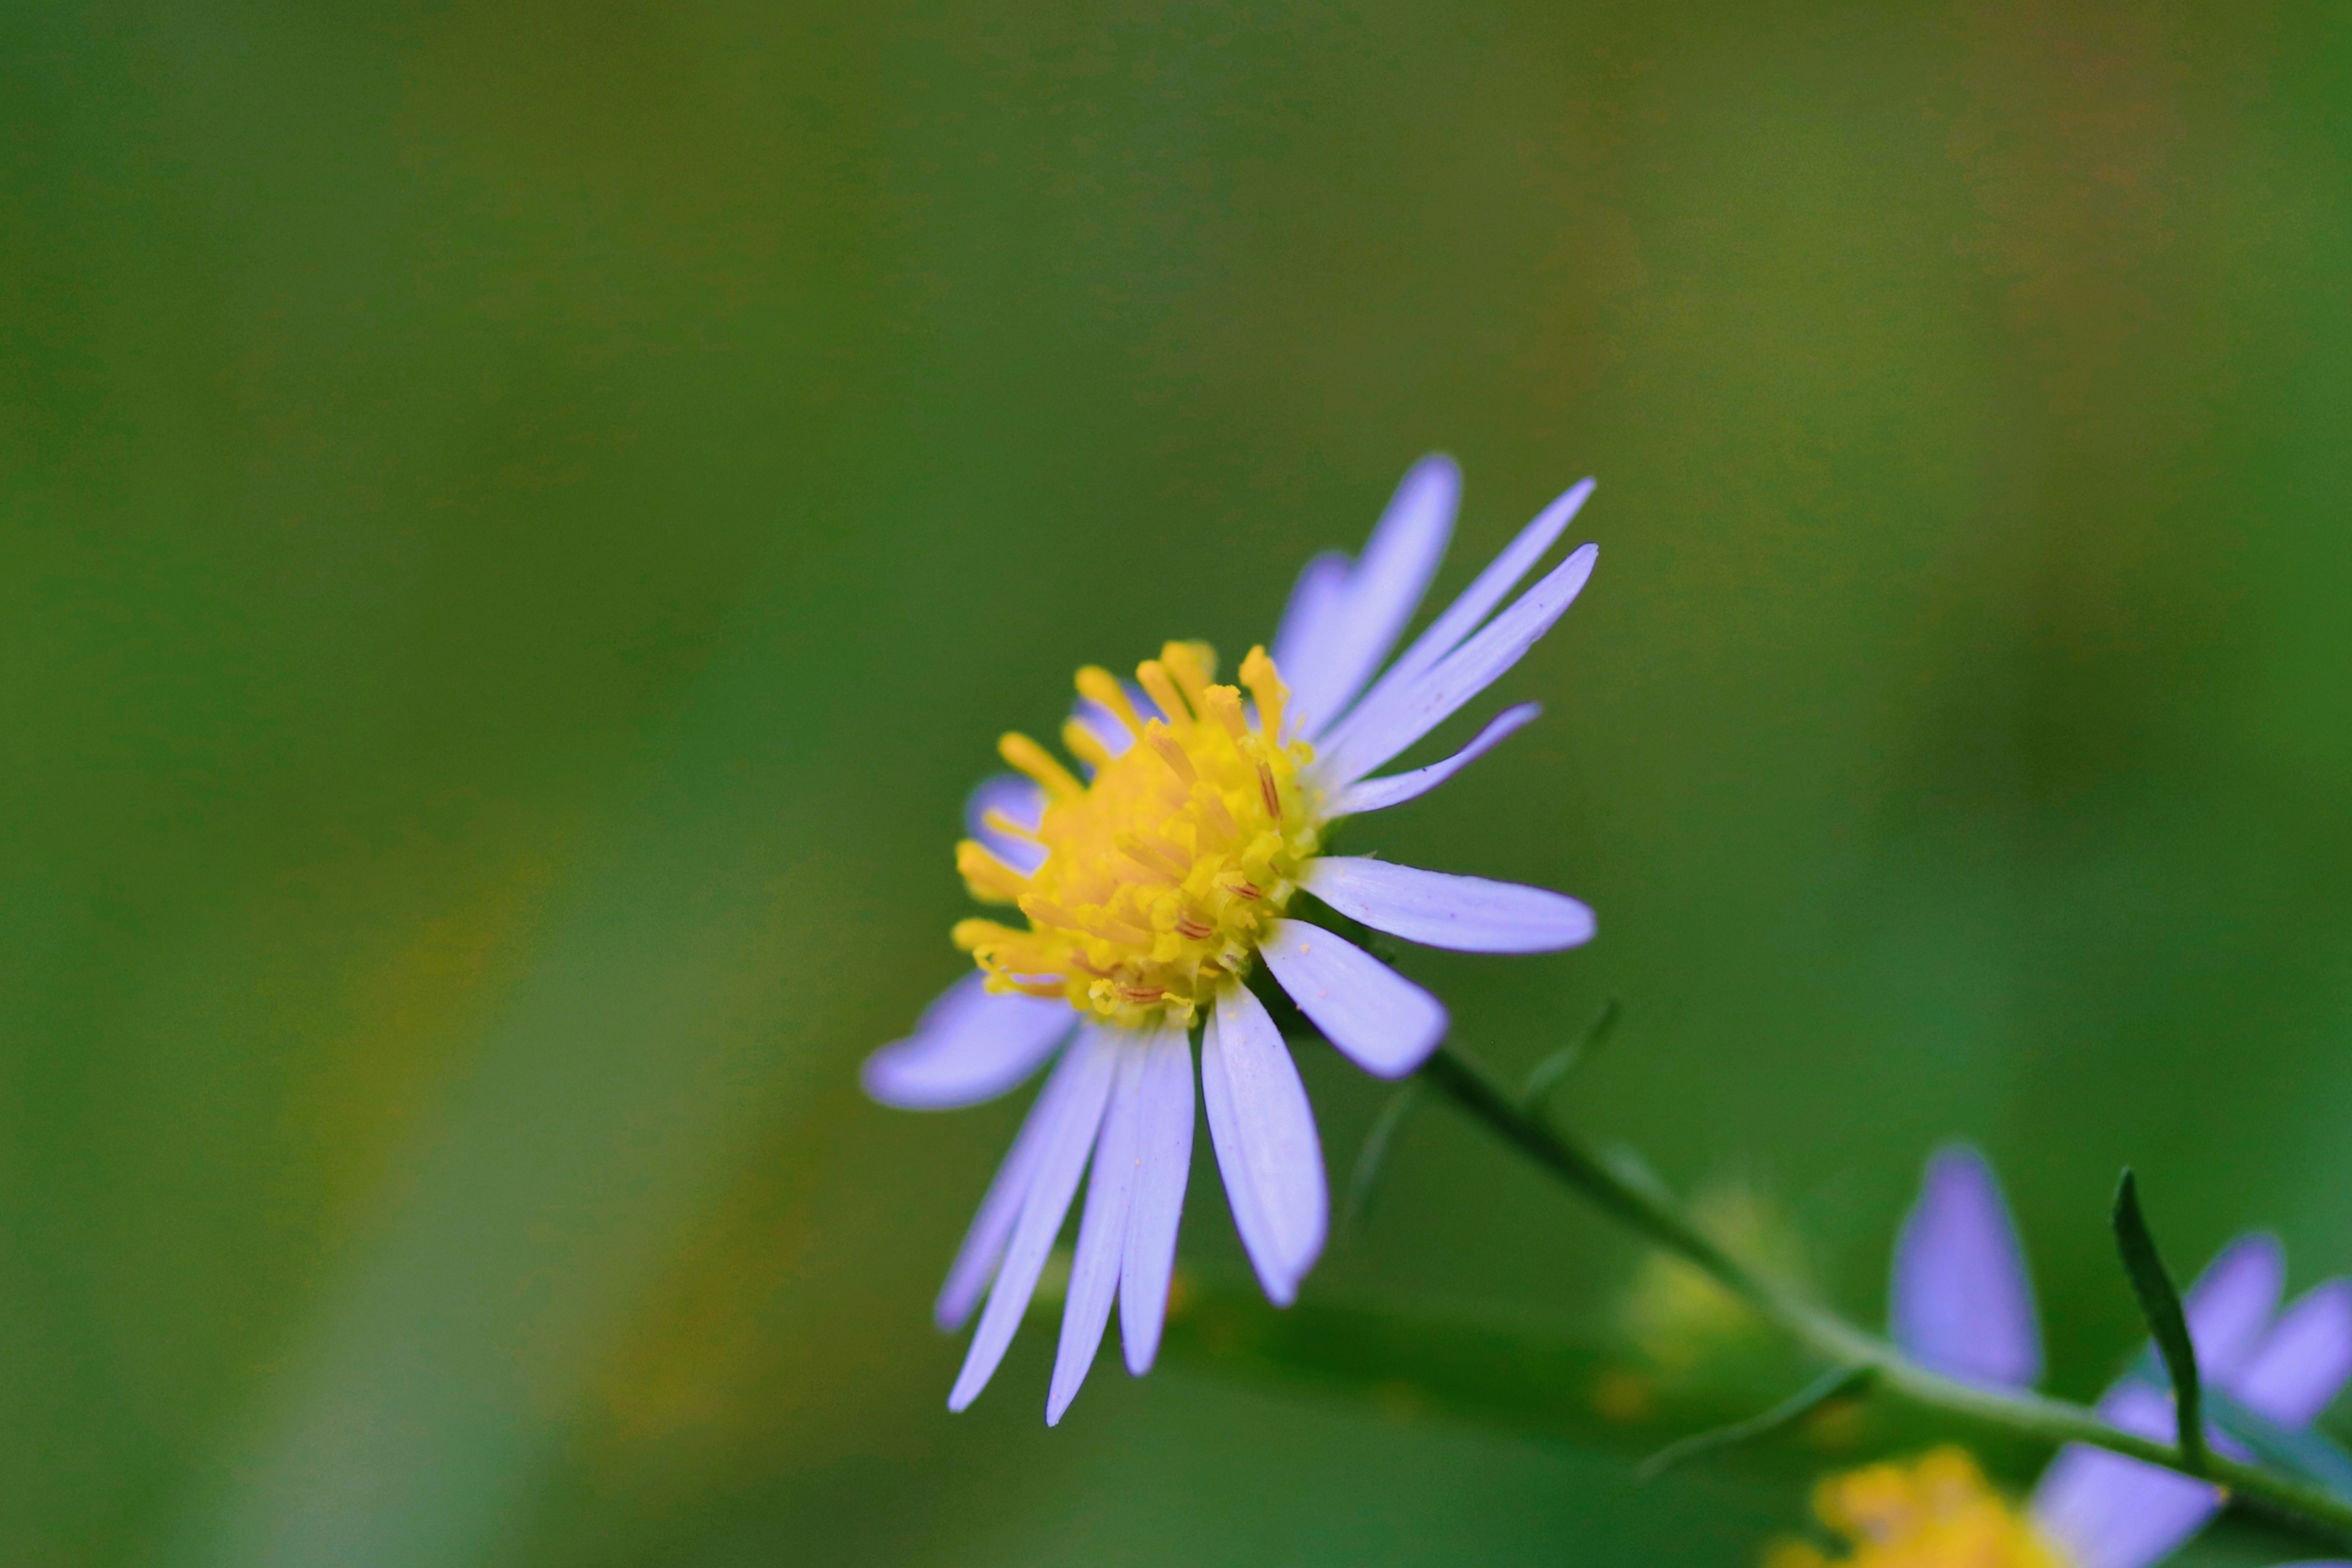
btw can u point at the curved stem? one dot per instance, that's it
(1655, 1214)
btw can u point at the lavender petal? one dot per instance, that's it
(1379, 794)
(1436, 909)
(1385, 586)
(1962, 1300)
(2108, 1511)
(1462, 616)
(2304, 1360)
(1301, 641)
(2230, 1306)
(1263, 1133)
(984, 1244)
(968, 1046)
(1102, 1232)
(1377, 733)
(1063, 1146)
(1166, 1153)
(1381, 1021)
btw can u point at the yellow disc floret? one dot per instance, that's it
(1938, 1512)
(1161, 871)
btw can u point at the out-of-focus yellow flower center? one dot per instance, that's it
(1160, 872)
(1679, 1316)
(1938, 1512)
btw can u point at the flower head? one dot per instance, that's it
(1156, 869)
(1937, 1511)
(1153, 881)
(1963, 1303)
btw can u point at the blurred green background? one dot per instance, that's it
(524, 520)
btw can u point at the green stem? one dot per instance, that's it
(1660, 1218)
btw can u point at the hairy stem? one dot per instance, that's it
(1661, 1219)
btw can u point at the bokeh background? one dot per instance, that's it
(523, 521)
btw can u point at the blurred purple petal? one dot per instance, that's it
(1017, 798)
(2304, 1361)
(1962, 1300)
(1381, 1021)
(1264, 1132)
(968, 1046)
(1384, 589)
(2108, 1511)
(1378, 731)
(1462, 616)
(1379, 794)
(1437, 909)
(2230, 1306)
(1063, 1146)
(1158, 1203)
(1102, 1232)
(1301, 641)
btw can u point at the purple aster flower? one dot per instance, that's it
(1152, 881)
(1963, 1303)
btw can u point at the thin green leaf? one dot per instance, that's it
(1562, 1065)
(1365, 1178)
(2159, 1303)
(1835, 1383)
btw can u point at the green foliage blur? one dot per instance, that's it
(523, 521)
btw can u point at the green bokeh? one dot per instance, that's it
(524, 521)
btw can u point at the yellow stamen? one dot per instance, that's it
(1213, 811)
(975, 934)
(1152, 676)
(1163, 869)
(1223, 704)
(1265, 683)
(1038, 763)
(1163, 740)
(1084, 744)
(1156, 857)
(1193, 664)
(1007, 826)
(990, 880)
(1097, 684)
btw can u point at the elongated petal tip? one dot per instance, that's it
(1150, 1263)
(1402, 712)
(1437, 909)
(1267, 1151)
(1071, 1116)
(1962, 1300)
(1356, 633)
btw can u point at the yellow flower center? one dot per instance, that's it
(1160, 872)
(1937, 1513)
(1681, 1317)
